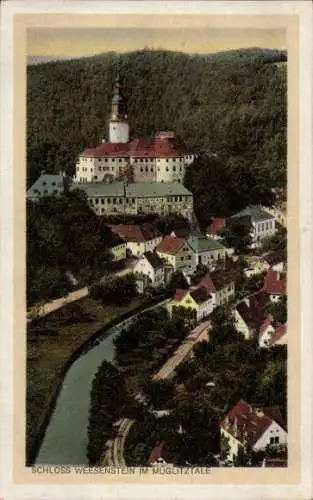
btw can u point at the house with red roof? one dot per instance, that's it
(158, 454)
(151, 271)
(163, 158)
(139, 238)
(275, 285)
(178, 253)
(220, 284)
(247, 425)
(198, 302)
(214, 228)
(272, 332)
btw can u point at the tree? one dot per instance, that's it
(278, 310)
(159, 392)
(277, 241)
(177, 281)
(237, 234)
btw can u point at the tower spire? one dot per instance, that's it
(118, 126)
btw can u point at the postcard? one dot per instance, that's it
(157, 174)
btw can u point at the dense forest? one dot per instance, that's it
(230, 106)
(63, 235)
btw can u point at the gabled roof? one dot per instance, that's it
(255, 212)
(274, 283)
(153, 259)
(275, 257)
(48, 185)
(200, 295)
(162, 145)
(180, 294)
(170, 245)
(216, 225)
(136, 233)
(251, 309)
(216, 280)
(247, 423)
(157, 452)
(201, 244)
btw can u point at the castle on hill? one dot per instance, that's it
(161, 159)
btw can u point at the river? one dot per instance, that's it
(65, 440)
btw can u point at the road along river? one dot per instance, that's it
(66, 439)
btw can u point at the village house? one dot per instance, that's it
(213, 229)
(197, 301)
(274, 285)
(272, 333)
(249, 314)
(48, 185)
(178, 253)
(262, 223)
(158, 454)
(139, 238)
(163, 158)
(151, 271)
(221, 286)
(207, 251)
(117, 249)
(248, 425)
(275, 260)
(121, 198)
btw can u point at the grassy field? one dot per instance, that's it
(52, 345)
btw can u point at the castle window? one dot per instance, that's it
(174, 168)
(114, 201)
(96, 201)
(109, 200)
(53, 183)
(102, 210)
(166, 168)
(113, 159)
(141, 169)
(44, 183)
(180, 198)
(176, 199)
(133, 200)
(105, 159)
(151, 169)
(120, 160)
(99, 159)
(121, 201)
(146, 169)
(95, 177)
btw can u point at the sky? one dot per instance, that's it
(77, 42)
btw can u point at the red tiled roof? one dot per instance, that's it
(180, 294)
(274, 284)
(163, 145)
(157, 452)
(135, 233)
(245, 423)
(207, 283)
(266, 323)
(216, 280)
(112, 149)
(170, 244)
(200, 295)
(279, 332)
(216, 225)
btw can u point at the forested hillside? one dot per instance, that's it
(231, 104)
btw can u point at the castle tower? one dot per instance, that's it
(118, 126)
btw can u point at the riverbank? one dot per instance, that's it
(53, 344)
